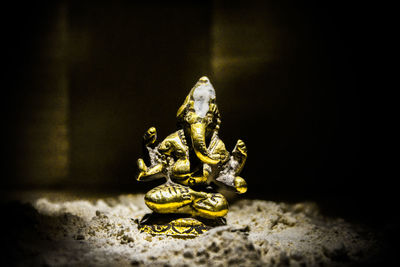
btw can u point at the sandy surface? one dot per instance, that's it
(73, 231)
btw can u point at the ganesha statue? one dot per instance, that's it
(195, 163)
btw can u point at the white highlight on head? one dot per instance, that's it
(202, 96)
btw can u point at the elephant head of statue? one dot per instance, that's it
(200, 119)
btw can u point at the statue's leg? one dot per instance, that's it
(169, 198)
(212, 206)
(176, 198)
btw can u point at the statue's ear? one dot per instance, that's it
(182, 108)
(185, 104)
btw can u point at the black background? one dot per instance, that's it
(129, 66)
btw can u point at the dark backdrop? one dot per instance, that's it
(84, 80)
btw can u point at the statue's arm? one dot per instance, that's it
(152, 157)
(239, 154)
(228, 176)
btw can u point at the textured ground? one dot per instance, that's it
(72, 231)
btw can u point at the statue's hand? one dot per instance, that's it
(149, 173)
(142, 169)
(150, 136)
(240, 149)
(141, 165)
(240, 185)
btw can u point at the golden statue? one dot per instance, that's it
(194, 161)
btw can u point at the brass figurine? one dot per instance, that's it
(193, 160)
